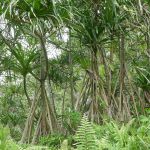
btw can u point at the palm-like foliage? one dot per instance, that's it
(143, 79)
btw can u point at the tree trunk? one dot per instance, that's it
(71, 73)
(122, 77)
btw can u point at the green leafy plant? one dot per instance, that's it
(113, 136)
(85, 136)
(53, 141)
(6, 143)
(71, 120)
(142, 79)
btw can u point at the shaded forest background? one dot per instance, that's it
(99, 77)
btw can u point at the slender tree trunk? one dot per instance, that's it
(25, 90)
(122, 76)
(106, 92)
(63, 104)
(71, 73)
(94, 82)
(29, 120)
(50, 95)
(110, 78)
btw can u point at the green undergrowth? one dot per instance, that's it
(134, 135)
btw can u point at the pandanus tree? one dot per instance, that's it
(38, 20)
(92, 20)
(21, 62)
(103, 27)
(89, 27)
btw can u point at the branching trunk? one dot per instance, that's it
(47, 121)
(94, 108)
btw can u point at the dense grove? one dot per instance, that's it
(75, 75)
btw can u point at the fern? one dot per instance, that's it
(119, 135)
(85, 136)
(124, 137)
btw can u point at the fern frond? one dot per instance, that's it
(85, 136)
